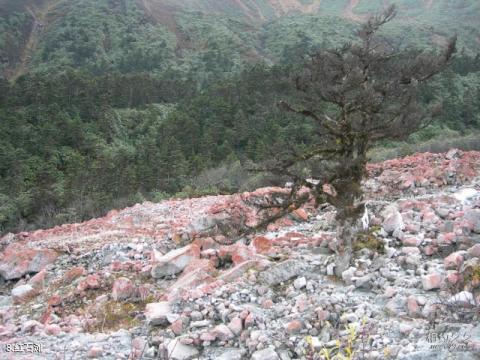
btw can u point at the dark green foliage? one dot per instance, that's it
(117, 108)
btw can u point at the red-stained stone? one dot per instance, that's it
(237, 253)
(52, 329)
(38, 281)
(95, 352)
(267, 304)
(177, 327)
(122, 289)
(249, 321)
(222, 332)
(236, 325)
(18, 260)
(262, 245)
(453, 278)
(429, 250)
(322, 314)
(207, 243)
(46, 316)
(208, 336)
(93, 281)
(431, 281)
(55, 300)
(412, 305)
(294, 326)
(453, 261)
(411, 241)
(300, 214)
(74, 273)
(329, 190)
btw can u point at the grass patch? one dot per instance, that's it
(368, 240)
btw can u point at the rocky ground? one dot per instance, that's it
(174, 281)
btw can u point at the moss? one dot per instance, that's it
(471, 276)
(368, 240)
(114, 315)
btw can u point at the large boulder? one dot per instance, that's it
(178, 351)
(473, 218)
(18, 260)
(175, 261)
(393, 221)
(432, 281)
(281, 272)
(156, 313)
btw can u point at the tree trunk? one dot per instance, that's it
(346, 230)
(350, 208)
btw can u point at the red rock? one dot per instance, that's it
(453, 277)
(95, 352)
(322, 314)
(329, 190)
(412, 305)
(222, 332)
(208, 336)
(55, 300)
(453, 261)
(116, 266)
(294, 326)
(93, 281)
(428, 250)
(262, 245)
(46, 316)
(267, 304)
(128, 266)
(249, 321)
(18, 260)
(53, 329)
(74, 273)
(237, 253)
(192, 278)
(411, 241)
(177, 327)
(412, 228)
(236, 325)
(432, 281)
(446, 238)
(207, 243)
(122, 289)
(300, 214)
(38, 281)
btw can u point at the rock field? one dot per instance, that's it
(174, 280)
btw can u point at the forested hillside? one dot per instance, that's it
(105, 103)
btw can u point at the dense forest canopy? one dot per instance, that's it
(106, 103)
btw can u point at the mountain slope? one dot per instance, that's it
(152, 35)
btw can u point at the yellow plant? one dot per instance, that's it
(386, 352)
